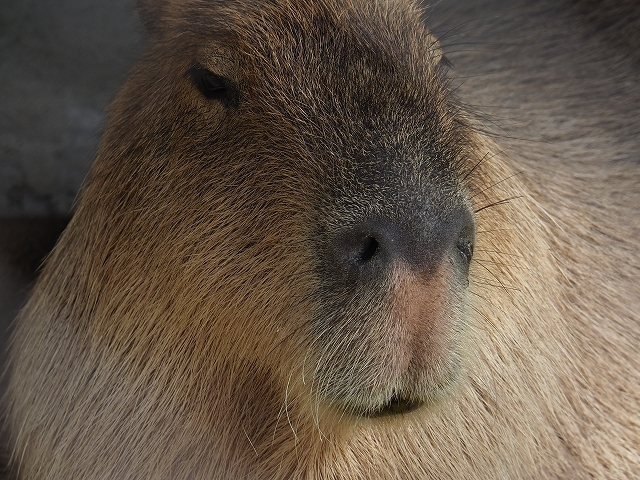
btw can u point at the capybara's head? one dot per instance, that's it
(279, 224)
(285, 263)
(289, 184)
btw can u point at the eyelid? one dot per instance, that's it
(213, 86)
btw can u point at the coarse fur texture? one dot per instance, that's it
(206, 314)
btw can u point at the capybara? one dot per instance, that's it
(305, 251)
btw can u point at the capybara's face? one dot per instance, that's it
(302, 177)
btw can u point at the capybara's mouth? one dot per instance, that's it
(397, 405)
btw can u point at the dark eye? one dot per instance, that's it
(214, 87)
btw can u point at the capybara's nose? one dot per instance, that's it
(422, 241)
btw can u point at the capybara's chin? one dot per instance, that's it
(412, 390)
(399, 348)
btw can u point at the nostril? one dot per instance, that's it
(363, 250)
(366, 250)
(465, 247)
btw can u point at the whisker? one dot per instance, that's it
(504, 264)
(286, 408)
(485, 299)
(484, 157)
(456, 29)
(495, 276)
(488, 284)
(485, 317)
(499, 202)
(499, 252)
(250, 442)
(497, 183)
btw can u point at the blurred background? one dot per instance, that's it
(61, 63)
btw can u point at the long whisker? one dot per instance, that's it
(497, 183)
(496, 277)
(484, 157)
(499, 202)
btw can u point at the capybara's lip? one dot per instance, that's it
(396, 405)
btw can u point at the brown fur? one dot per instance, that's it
(182, 326)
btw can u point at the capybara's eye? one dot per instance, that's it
(214, 87)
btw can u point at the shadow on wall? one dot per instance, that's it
(61, 64)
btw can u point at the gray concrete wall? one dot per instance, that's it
(61, 62)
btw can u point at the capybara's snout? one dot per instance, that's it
(420, 237)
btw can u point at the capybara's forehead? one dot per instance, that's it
(393, 28)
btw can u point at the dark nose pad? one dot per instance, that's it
(372, 246)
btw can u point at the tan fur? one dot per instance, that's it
(172, 334)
